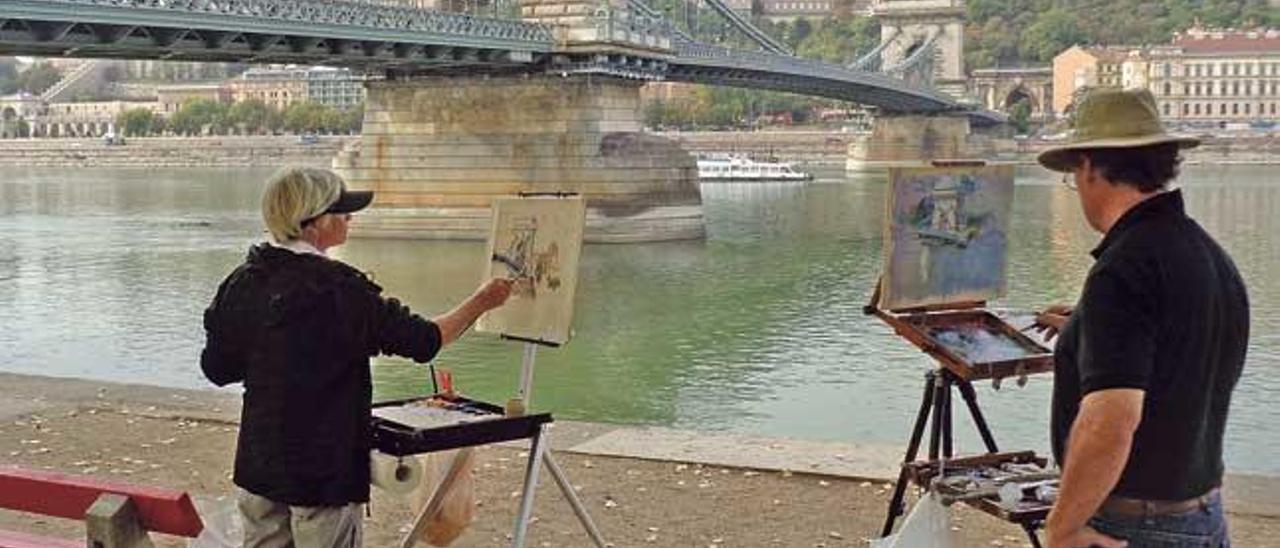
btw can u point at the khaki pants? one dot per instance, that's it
(270, 524)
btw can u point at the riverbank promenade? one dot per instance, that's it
(645, 486)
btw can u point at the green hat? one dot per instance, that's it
(1113, 118)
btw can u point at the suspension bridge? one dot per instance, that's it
(536, 95)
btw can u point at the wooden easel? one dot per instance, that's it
(936, 400)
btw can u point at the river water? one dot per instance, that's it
(756, 330)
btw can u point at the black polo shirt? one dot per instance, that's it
(1163, 310)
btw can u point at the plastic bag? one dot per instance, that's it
(927, 526)
(222, 526)
(459, 505)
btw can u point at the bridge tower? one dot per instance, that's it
(921, 41)
(437, 148)
(937, 25)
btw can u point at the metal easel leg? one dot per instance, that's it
(544, 455)
(1030, 528)
(971, 400)
(913, 449)
(437, 498)
(935, 426)
(572, 496)
(947, 439)
(536, 449)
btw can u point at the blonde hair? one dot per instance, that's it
(294, 195)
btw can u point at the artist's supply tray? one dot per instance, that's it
(945, 334)
(461, 422)
(1025, 512)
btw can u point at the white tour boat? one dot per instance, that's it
(737, 168)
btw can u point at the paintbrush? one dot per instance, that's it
(514, 267)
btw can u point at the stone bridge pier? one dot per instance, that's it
(910, 139)
(437, 150)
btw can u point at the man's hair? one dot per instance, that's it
(1149, 168)
(294, 195)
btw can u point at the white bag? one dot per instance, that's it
(459, 505)
(927, 526)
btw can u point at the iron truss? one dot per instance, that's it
(400, 41)
(708, 64)
(267, 31)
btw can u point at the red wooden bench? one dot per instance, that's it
(117, 515)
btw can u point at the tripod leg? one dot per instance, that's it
(913, 448)
(536, 448)
(935, 429)
(1030, 528)
(947, 438)
(572, 496)
(971, 400)
(437, 498)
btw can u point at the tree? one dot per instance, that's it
(200, 116)
(305, 117)
(38, 78)
(1020, 117)
(252, 116)
(8, 75)
(136, 122)
(353, 118)
(800, 31)
(1053, 32)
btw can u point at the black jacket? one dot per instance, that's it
(298, 330)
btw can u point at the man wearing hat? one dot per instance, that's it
(298, 329)
(1147, 359)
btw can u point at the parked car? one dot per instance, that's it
(112, 139)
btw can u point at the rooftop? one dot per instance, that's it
(1198, 40)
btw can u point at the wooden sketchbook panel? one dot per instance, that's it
(536, 240)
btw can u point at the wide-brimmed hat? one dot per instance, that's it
(1113, 118)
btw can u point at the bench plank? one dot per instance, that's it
(14, 539)
(67, 496)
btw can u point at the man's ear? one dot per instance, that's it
(1086, 169)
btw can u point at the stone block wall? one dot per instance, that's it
(436, 151)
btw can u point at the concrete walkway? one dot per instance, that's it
(23, 395)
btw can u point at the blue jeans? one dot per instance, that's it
(1204, 527)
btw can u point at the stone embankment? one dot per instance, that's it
(809, 147)
(820, 147)
(161, 152)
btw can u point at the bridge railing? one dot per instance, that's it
(771, 62)
(629, 27)
(340, 12)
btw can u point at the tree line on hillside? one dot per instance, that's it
(251, 117)
(1022, 32)
(34, 80)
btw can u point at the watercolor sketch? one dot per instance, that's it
(946, 238)
(536, 241)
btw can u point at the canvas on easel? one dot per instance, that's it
(947, 235)
(946, 248)
(537, 241)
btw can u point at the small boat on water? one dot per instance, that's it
(738, 168)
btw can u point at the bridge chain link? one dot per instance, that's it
(371, 15)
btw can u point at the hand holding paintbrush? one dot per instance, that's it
(516, 270)
(1050, 321)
